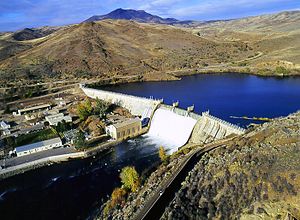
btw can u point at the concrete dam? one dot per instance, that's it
(170, 126)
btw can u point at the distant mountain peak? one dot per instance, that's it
(135, 15)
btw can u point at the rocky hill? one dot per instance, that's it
(134, 15)
(255, 176)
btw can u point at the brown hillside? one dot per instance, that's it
(118, 48)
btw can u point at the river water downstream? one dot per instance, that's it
(73, 190)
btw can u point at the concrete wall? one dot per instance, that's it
(210, 128)
(136, 105)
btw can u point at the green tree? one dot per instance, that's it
(162, 154)
(79, 140)
(84, 109)
(63, 126)
(130, 178)
(101, 108)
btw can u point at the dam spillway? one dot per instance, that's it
(172, 129)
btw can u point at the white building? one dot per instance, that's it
(34, 109)
(124, 130)
(54, 119)
(38, 146)
(4, 125)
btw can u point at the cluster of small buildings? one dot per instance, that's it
(32, 119)
(117, 127)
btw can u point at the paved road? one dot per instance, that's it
(32, 157)
(154, 207)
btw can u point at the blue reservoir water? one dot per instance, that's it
(225, 95)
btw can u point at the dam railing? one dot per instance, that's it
(180, 111)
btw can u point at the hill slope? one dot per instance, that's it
(118, 47)
(277, 36)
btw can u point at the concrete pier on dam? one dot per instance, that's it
(171, 124)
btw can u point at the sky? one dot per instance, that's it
(18, 14)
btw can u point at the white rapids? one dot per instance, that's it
(170, 129)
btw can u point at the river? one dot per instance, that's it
(73, 190)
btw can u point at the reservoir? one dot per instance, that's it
(73, 190)
(225, 95)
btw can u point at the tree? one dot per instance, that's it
(162, 154)
(79, 140)
(84, 109)
(101, 108)
(130, 178)
(46, 124)
(118, 196)
(63, 126)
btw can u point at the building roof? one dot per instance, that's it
(54, 119)
(37, 145)
(34, 108)
(126, 123)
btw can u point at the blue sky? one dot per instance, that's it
(18, 14)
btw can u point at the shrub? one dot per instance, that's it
(282, 70)
(130, 178)
(118, 196)
(163, 155)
